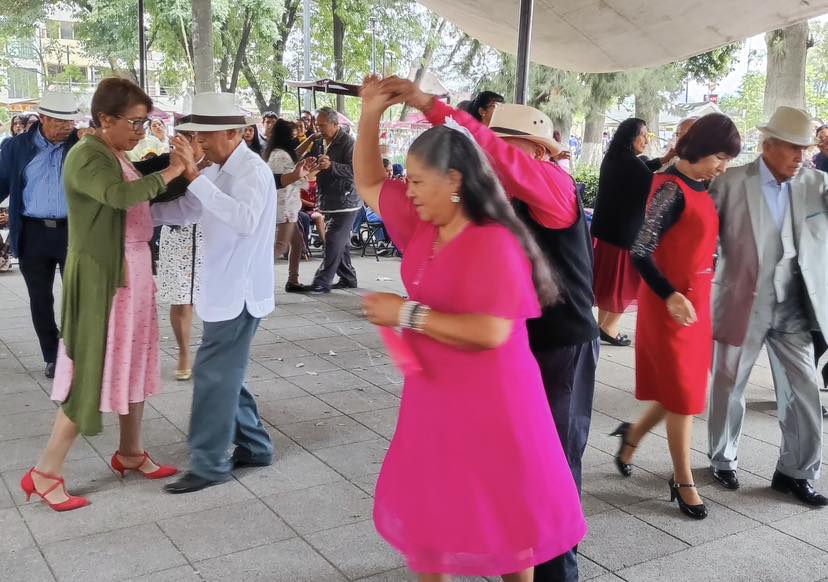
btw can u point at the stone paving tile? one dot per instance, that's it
(336, 381)
(293, 410)
(323, 507)
(810, 527)
(127, 552)
(308, 331)
(293, 470)
(329, 432)
(618, 539)
(5, 496)
(666, 516)
(29, 401)
(360, 400)
(759, 554)
(136, 503)
(593, 506)
(374, 555)
(27, 424)
(23, 453)
(26, 565)
(178, 574)
(336, 344)
(299, 366)
(225, 530)
(15, 535)
(157, 432)
(589, 570)
(289, 561)
(356, 459)
(383, 422)
(275, 389)
(275, 351)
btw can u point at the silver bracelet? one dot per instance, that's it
(406, 312)
(419, 317)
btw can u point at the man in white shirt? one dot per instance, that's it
(234, 201)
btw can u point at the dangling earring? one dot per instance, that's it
(455, 198)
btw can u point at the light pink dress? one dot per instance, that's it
(475, 482)
(132, 366)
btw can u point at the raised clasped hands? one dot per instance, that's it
(182, 156)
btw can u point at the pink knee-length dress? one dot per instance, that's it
(475, 482)
(132, 365)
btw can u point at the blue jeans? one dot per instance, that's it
(569, 379)
(224, 412)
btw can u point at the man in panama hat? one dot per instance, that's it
(31, 176)
(234, 201)
(771, 290)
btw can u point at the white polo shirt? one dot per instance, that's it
(235, 204)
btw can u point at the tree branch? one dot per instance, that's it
(245, 39)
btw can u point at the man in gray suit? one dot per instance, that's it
(771, 289)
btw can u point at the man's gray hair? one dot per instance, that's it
(328, 113)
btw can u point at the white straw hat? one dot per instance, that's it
(790, 125)
(524, 122)
(215, 112)
(59, 106)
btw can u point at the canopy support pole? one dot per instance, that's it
(142, 48)
(527, 8)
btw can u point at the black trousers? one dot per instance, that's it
(337, 260)
(42, 251)
(569, 379)
(820, 347)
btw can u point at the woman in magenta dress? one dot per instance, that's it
(674, 252)
(475, 482)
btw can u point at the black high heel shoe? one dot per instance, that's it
(694, 511)
(624, 468)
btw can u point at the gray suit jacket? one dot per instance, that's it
(738, 196)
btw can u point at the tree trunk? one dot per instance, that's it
(563, 125)
(338, 48)
(240, 52)
(434, 35)
(785, 78)
(205, 79)
(648, 110)
(593, 151)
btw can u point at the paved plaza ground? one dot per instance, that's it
(330, 397)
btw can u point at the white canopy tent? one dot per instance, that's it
(594, 36)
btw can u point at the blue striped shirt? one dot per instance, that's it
(43, 195)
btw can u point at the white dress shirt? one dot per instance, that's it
(235, 204)
(776, 195)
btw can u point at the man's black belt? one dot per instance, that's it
(47, 222)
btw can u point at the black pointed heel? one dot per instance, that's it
(624, 468)
(694, 511)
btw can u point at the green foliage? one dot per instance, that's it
(747, 106)
(588, 176)
(816, 72)
(714, 65)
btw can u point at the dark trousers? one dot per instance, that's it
(42, 251)
(820, 347)
(569, 379)
(224, 412)
(337, 259)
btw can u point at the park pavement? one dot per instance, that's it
(329, 397)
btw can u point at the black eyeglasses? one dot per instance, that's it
(137, 124)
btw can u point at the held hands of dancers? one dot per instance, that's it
(681, 309)
(182, 159)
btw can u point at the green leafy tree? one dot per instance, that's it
(746, 106)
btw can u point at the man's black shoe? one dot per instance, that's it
(343, 285)
(824, 411)
(240, 461)
(801, 489)
(296, 288)
(726, 479)
(189, 483)
(50, 370)
(319, 290)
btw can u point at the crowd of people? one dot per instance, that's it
(495, 333)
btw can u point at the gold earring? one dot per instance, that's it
(455, 198)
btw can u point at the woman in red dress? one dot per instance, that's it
(674, 337)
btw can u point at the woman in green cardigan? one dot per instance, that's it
(109, 357)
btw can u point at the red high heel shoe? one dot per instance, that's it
(28, 486)
(162, 472)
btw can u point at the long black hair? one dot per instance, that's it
(622, 142)
(281, 138)
(256, 143)
(484, 201)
